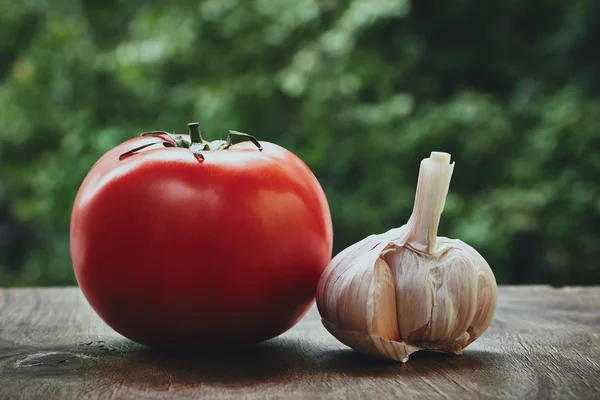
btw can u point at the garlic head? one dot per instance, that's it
(407, 289)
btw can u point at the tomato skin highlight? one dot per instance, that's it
(169, 249)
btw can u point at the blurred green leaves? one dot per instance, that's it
(361, 90)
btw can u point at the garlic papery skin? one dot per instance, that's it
(408, 289)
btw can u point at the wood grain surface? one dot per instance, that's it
(543, 343)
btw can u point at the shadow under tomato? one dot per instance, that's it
(247, 365)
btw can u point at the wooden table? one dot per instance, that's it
(544, 343)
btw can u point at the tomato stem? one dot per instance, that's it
(133, 151)
(243, 136)
(196, 143)
(194, 129)
(178, 140)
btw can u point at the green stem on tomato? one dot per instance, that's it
(135, 150)
(243, 136)
(194, 129)
(196, 143)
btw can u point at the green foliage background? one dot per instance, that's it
(361, 90)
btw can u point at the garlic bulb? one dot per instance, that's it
(407, 289)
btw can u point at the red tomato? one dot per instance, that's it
(172, 249)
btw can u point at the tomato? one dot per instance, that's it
(174, 246)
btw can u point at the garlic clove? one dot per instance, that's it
(414, 293)
(363, 296)
(352, 298)
(382, 320)
(455, 295)
(335, 277)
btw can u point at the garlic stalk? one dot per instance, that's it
(407, 289)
